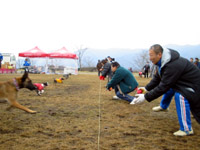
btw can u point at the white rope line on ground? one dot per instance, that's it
(99, 133)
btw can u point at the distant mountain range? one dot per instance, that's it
(126, 56)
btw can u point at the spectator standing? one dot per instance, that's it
(99, 67)
(1, 59)
(191, 60)
(110, 60)
(146, 69)
(27, 64)
(197, 62)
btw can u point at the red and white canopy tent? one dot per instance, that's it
(33, 53)
(63, 53)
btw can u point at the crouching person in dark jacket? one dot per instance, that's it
(106, 71)
(122, 81)
(179, 76)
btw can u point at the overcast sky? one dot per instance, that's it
(101, 24)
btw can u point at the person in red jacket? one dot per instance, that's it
(40, 87)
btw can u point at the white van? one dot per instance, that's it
(9, 58)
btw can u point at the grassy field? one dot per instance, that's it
(67, 118)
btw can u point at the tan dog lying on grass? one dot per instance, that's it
(9, 89)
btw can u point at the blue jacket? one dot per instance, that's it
(1, 57)
(26, 64)
(125, 79)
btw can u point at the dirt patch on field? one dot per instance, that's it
(68, 119)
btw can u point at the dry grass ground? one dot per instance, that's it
(68, 119)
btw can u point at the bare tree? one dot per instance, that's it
(88, 62)
(140, 60)
(80, 53)
(19, 63)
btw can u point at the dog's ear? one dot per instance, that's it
(46, 83)
(26, 69)
(25, 76)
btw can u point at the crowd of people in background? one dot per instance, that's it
(148, 70)
(104, 66)
(196, 62)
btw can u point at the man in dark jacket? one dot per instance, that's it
(177, 74)
(197, 63)
(146, 69)
(106, 71)
(122, 81)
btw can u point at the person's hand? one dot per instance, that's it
(141, 90)
(110, 89)
(138, 99)
(101, 77)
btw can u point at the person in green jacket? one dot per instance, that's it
(122, 81)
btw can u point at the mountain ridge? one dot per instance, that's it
(126, 56)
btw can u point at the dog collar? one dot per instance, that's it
(15, 83)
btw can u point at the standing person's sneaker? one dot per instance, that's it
(158, 108)
(115, 97)
(183, 133)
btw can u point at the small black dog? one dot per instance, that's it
(67, 75)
